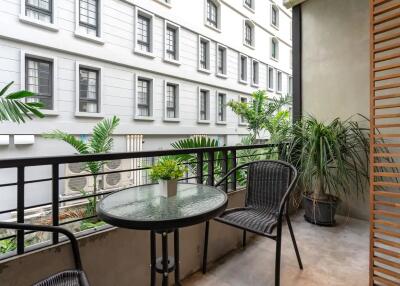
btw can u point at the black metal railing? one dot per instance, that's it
(206, 165)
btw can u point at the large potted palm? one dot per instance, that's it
(332, 160)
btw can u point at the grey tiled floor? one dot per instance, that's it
(331, 256)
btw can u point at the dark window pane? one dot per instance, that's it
(143, 33)
(143, 97)
(88, 16)
(88, 90)
(39, 9)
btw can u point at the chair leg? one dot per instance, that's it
(278, 255)
(294, 242)
(205, 247)
(244, 239)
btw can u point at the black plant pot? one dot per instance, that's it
(320, 212)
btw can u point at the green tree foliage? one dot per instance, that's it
(12, 108)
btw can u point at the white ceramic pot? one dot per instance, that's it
(168, 187)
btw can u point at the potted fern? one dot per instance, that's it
(167, 172)
(332, 160)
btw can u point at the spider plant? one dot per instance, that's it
(332, 158)
(101, 141)
(12, 108)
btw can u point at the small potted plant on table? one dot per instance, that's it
(167, 172)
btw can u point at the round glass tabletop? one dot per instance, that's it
(143, 207)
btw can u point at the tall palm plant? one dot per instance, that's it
(332, 158)
(101, 141)
(12, 108)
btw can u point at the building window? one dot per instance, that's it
(243, 120)
(270, 78)
(212, 13)
(290, 85)
(89, 16)
(274, 16)
(221, 107)
(204, 54)
(41, 10)
(88, 90)
(144, 97)
(274, 49)
(171, 101)
(279, 82)
(249, 33)
(242, 68)
(171, 42)
(144, 32)
(39, 80)
(249, 4)
(221, 60)
(255, 73)
(204, 105)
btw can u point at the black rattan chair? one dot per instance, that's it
(269, 184)
(75, 277)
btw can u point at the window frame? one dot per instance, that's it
(89, 66)
(218, 15)
(247, 22)
(276, 8)
(270, 71)
(166, 4)
(208, 106)
(23, 55)
(52, 26)
(217, 105)
(208, 53)
(252, 7)
(279, 81)
(177, 28)
(276, 41)
(150, 16)
(151, 99)
(98, 39)
(177, 111)
(246, 80)
(224, 63)
(241, 121)
(253, 83)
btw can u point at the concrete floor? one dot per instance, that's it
(331, 256)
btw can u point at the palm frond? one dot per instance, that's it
(101, 140)
(15, 110)
(80, 146)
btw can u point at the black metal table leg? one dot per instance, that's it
(176, 255)
(165, 258)
(152, 258)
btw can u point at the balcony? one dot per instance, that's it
(118, 256)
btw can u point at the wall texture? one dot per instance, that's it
(336, 66)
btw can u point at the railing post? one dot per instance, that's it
(20, 208)
(210, 178)
(200, 162)
(233, 176)
(55, 199)
(225, 168)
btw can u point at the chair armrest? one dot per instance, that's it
(47, 228)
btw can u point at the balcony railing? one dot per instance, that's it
(206, 165)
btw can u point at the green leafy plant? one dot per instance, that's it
(191, 159)
(7, 245)
(167, 169)
(259, 112)
(332, 158)
(12, 108)
(101, 141)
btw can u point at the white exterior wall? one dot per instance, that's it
(119, 66)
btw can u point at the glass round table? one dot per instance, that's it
(143, 208)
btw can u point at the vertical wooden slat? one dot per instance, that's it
(384, 142)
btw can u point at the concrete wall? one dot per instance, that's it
(122, 257)
(336, 67)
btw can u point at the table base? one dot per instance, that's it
(164, 264)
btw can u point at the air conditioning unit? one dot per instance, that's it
(117, 180)
(75, 186)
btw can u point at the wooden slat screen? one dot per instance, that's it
(385, 142)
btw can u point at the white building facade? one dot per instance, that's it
(166, 68)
